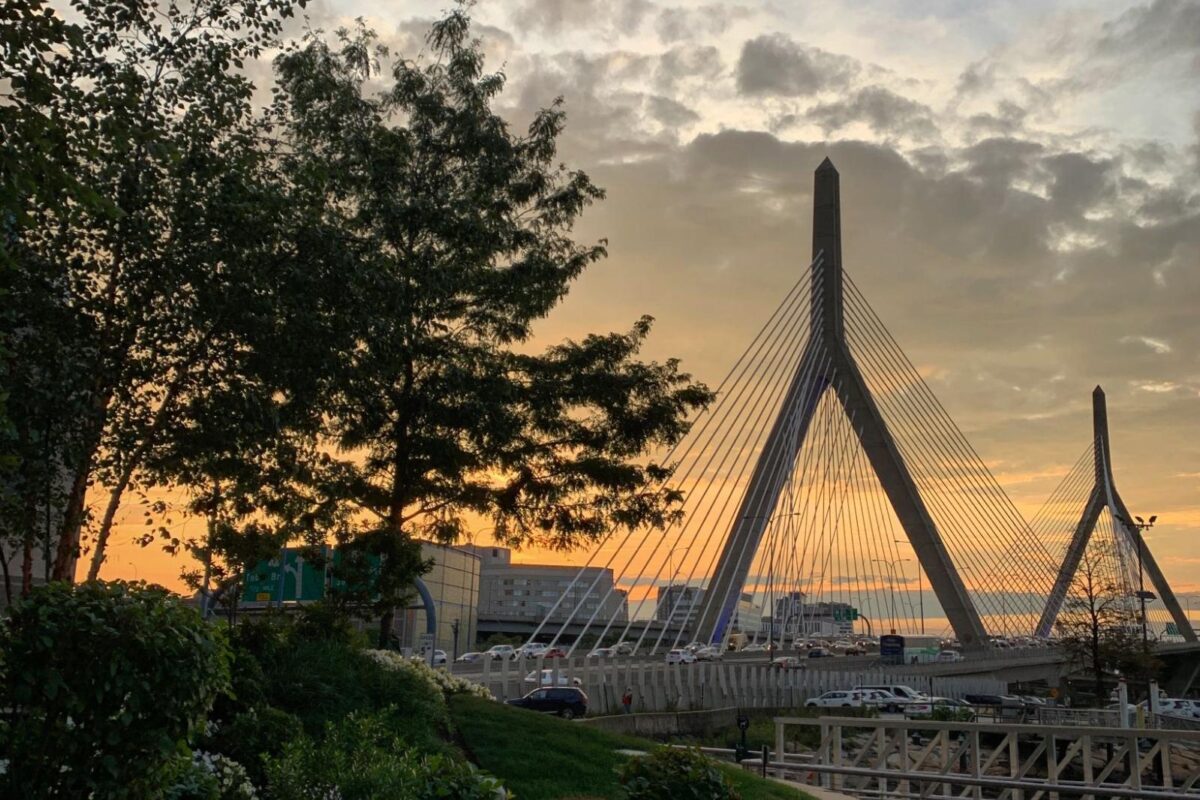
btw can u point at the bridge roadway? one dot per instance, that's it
(1023, 665)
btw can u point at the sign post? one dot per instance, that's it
(427, 648)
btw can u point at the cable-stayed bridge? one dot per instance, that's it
(829, 492)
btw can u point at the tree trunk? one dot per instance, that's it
(386, 620)
(131, 464)
(7, 577)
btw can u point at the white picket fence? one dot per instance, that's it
(706, 685)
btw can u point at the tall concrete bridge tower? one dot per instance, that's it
(1103, 495)
(829, 365)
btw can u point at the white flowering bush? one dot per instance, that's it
(439, 679)
(210, 776)
(232, 780)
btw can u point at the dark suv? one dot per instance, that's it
(566, 701)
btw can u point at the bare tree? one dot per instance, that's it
(1096, 619)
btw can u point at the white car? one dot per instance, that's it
(469, 658)
(501, 652)
(680, 657)
(546, 678)
(531, 650)
(1179, 707)
(708, 654)
(602, 652)
(850, 698)
(439, 657)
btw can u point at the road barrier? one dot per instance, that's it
(706, 685)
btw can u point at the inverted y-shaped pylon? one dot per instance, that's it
(828, 363)
(1103, 495)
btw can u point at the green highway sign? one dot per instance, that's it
(302, 580)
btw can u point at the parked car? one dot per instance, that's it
(680, 657)
(567, 702)
(469, 658)
(949, 657)
(906, 699)
(501, 652)
(545, 677)
(786, 662)
(602, 652)
(854, 698)
(1179, 707)
(530, 650)
(900, 690)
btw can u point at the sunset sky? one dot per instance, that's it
(1020, 190)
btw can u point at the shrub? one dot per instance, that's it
(672, 773)
(438, 679)
(209, 776)
(252, 735)
(104, 685)
(323, 681)
(360, 758)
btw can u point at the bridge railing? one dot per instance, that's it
(926, 759)
(704, 685)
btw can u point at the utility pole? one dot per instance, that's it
(891, 565)
(920, 594)
(1140, 526)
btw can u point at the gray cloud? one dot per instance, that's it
(1008, 118)
(554, 16)
(678, 24)
(670, 113)
(776, 64)
(684, 62)
(883, 110)
(1158, 29)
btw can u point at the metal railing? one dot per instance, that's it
(875, 758)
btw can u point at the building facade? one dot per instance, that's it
(517, 596)
(454, 585)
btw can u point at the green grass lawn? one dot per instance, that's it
(544, 758)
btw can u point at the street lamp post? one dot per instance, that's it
(891, 565)
(1139, 527)
(920, 594)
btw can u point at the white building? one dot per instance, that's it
(530, 593)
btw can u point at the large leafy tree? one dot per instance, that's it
(454, 234)
(151, 291)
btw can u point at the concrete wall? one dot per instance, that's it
(666, 723)
(709, 685)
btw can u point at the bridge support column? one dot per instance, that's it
(1104, 494)
(829, 363)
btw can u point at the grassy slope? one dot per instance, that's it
(544, 758)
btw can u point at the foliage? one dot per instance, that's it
(322, 681)
(452, 234)
(1099, 627)
(545, 758)
(209, 776)
(251, 735)
(439, 679)
(103, 687)
(359, 758)
(670, 773)
(143, 308)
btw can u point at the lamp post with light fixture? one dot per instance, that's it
(1138, 527)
